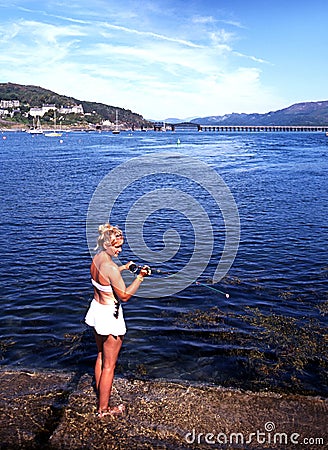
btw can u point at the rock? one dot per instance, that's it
(58, 411)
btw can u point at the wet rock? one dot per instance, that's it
(58, 411)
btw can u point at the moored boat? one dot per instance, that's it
(116, 130)
(55, 132)
(36, 129)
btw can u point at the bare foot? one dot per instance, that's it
(115, 411)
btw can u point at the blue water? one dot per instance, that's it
(270, 334)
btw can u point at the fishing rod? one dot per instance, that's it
(135, 267)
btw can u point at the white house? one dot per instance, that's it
(40, 112)
(9, 104)
(73, 109)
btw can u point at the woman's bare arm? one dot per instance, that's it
(123, 293)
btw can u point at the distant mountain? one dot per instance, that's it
(172, 120)
(306, 113)
(35, 96)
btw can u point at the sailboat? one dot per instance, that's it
(116, 131)
(36, 129)
(54, 133)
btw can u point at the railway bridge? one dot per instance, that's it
(163, 126)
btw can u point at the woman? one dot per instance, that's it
(105, 313)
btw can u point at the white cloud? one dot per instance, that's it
(149, 34)
(157, 73)
(220, 37)
(203, 19)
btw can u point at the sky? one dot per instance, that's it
(170, 59)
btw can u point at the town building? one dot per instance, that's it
(72, 109)
(40, 112)
(9, 107)
(9, 104)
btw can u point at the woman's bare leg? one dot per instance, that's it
(105, 367)
(99, 360)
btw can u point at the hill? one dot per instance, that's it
(306, 113)
(95, 113)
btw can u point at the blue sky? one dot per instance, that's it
(170, 58)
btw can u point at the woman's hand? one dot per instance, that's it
(145, 271)
(125, 266)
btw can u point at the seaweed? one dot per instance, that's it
(278, 351)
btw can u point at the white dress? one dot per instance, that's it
(106, 319)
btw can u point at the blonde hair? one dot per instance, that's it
(108, 234)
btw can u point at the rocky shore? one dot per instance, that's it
(56, 410)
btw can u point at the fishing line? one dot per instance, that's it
(135, 267)
(213, 289)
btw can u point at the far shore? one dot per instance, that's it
(162, 127)
(21, 129)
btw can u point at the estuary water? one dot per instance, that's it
(271, 333)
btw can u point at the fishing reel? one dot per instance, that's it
(134, 268)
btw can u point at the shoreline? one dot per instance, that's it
(226, 129)
(56, 410)
(73, 130)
